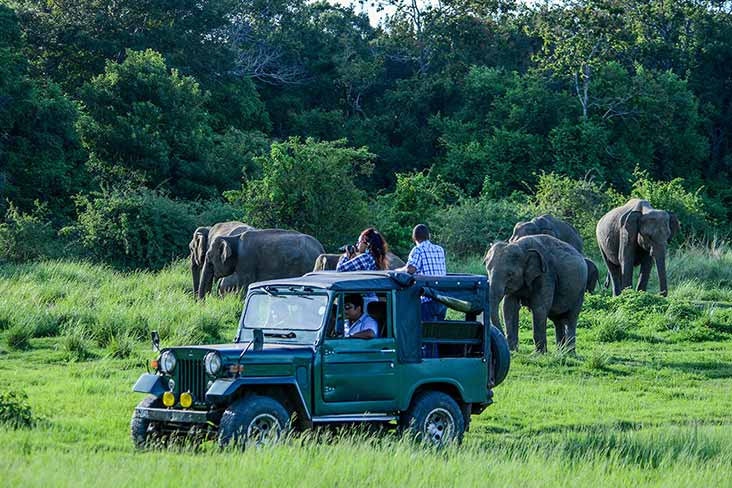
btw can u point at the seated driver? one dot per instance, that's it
(359, 324)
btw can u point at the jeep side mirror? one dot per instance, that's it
(155, 337)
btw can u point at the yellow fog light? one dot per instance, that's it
(168, 399)
(186, 400)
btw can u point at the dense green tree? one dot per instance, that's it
(40, 155)
(148, 125)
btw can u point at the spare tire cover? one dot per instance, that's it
(500, 356)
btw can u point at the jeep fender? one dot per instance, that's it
(448, 385)
(224, 389)
(150, 383)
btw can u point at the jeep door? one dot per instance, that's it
(359, 375)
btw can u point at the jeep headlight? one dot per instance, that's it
(167, 362)
(212, 362)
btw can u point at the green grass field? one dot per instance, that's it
(647, 400)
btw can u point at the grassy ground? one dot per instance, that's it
(645, 402)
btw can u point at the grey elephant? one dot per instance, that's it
(636, 234)
(544, 274)
(593, 275)
(328, 262)
(546, 224)
(199, 245)
(257, 255)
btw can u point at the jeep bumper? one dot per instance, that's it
(169, 415)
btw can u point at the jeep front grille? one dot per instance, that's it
(192, 378)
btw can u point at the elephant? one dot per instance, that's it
(544, 274)
(199, 245)
(327, 262)
(546, 224)
(636, 234)
(257, 255)
(593, 275)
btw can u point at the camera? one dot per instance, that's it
(349, 248)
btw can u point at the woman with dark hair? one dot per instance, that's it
(369, 254)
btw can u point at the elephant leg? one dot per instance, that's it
(539, 325)
(196, 275)
(645, 273)
(511, 307)
(559, 331)
(614, 274)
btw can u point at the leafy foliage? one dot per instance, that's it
(311, 187)
(15, 411)
(26, 236)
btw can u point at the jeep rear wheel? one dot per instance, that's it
(434, 418)
(253, 421)
(142, 430)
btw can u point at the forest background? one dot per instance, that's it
(126, 124)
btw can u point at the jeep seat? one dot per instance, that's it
(377, 310)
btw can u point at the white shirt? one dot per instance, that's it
(365, 322)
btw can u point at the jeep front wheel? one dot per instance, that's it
(142, 430)
(253, 421)
(434, 418)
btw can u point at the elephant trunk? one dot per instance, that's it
(207, 278)
(660, 257)
(196, 273)
(496, 294)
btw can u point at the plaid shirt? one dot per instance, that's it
(428, 259)
(362, 262)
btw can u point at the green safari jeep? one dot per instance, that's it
(294, 366)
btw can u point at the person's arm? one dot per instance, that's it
(413, 261)
(364, 334)
(359, 263)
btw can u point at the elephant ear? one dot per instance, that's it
(490, 254)
(674, 225)
(225, 250)
(535, 266)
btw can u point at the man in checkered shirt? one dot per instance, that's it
(427, 259)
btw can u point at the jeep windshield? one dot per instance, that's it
(284, 316)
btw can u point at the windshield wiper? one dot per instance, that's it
(270, 291)
(288, 335)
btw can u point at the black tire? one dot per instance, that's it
(500, 356)
(254, 419)
(434, 418)
(142, 430)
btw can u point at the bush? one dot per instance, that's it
(134, 229)
(579, 202)
(121, 346)
(416, 199)
(469, 227)
(18, 337)
(25, 236)
(310, 187)
(15, 411)
(75, 345)
(612, 328)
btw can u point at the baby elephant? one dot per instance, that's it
(544, 274)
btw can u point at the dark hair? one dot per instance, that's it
(355, 299)
(377, 246)
(421, 233)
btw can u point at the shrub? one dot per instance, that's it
(15, 411)
(598, 360)
(612, 328)
(469, 227)
(134, 229)
(25, 236)
(580, 202)
(310, 187)
(75, 345)
(416, 199)
(121, 346)
(18, 337)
